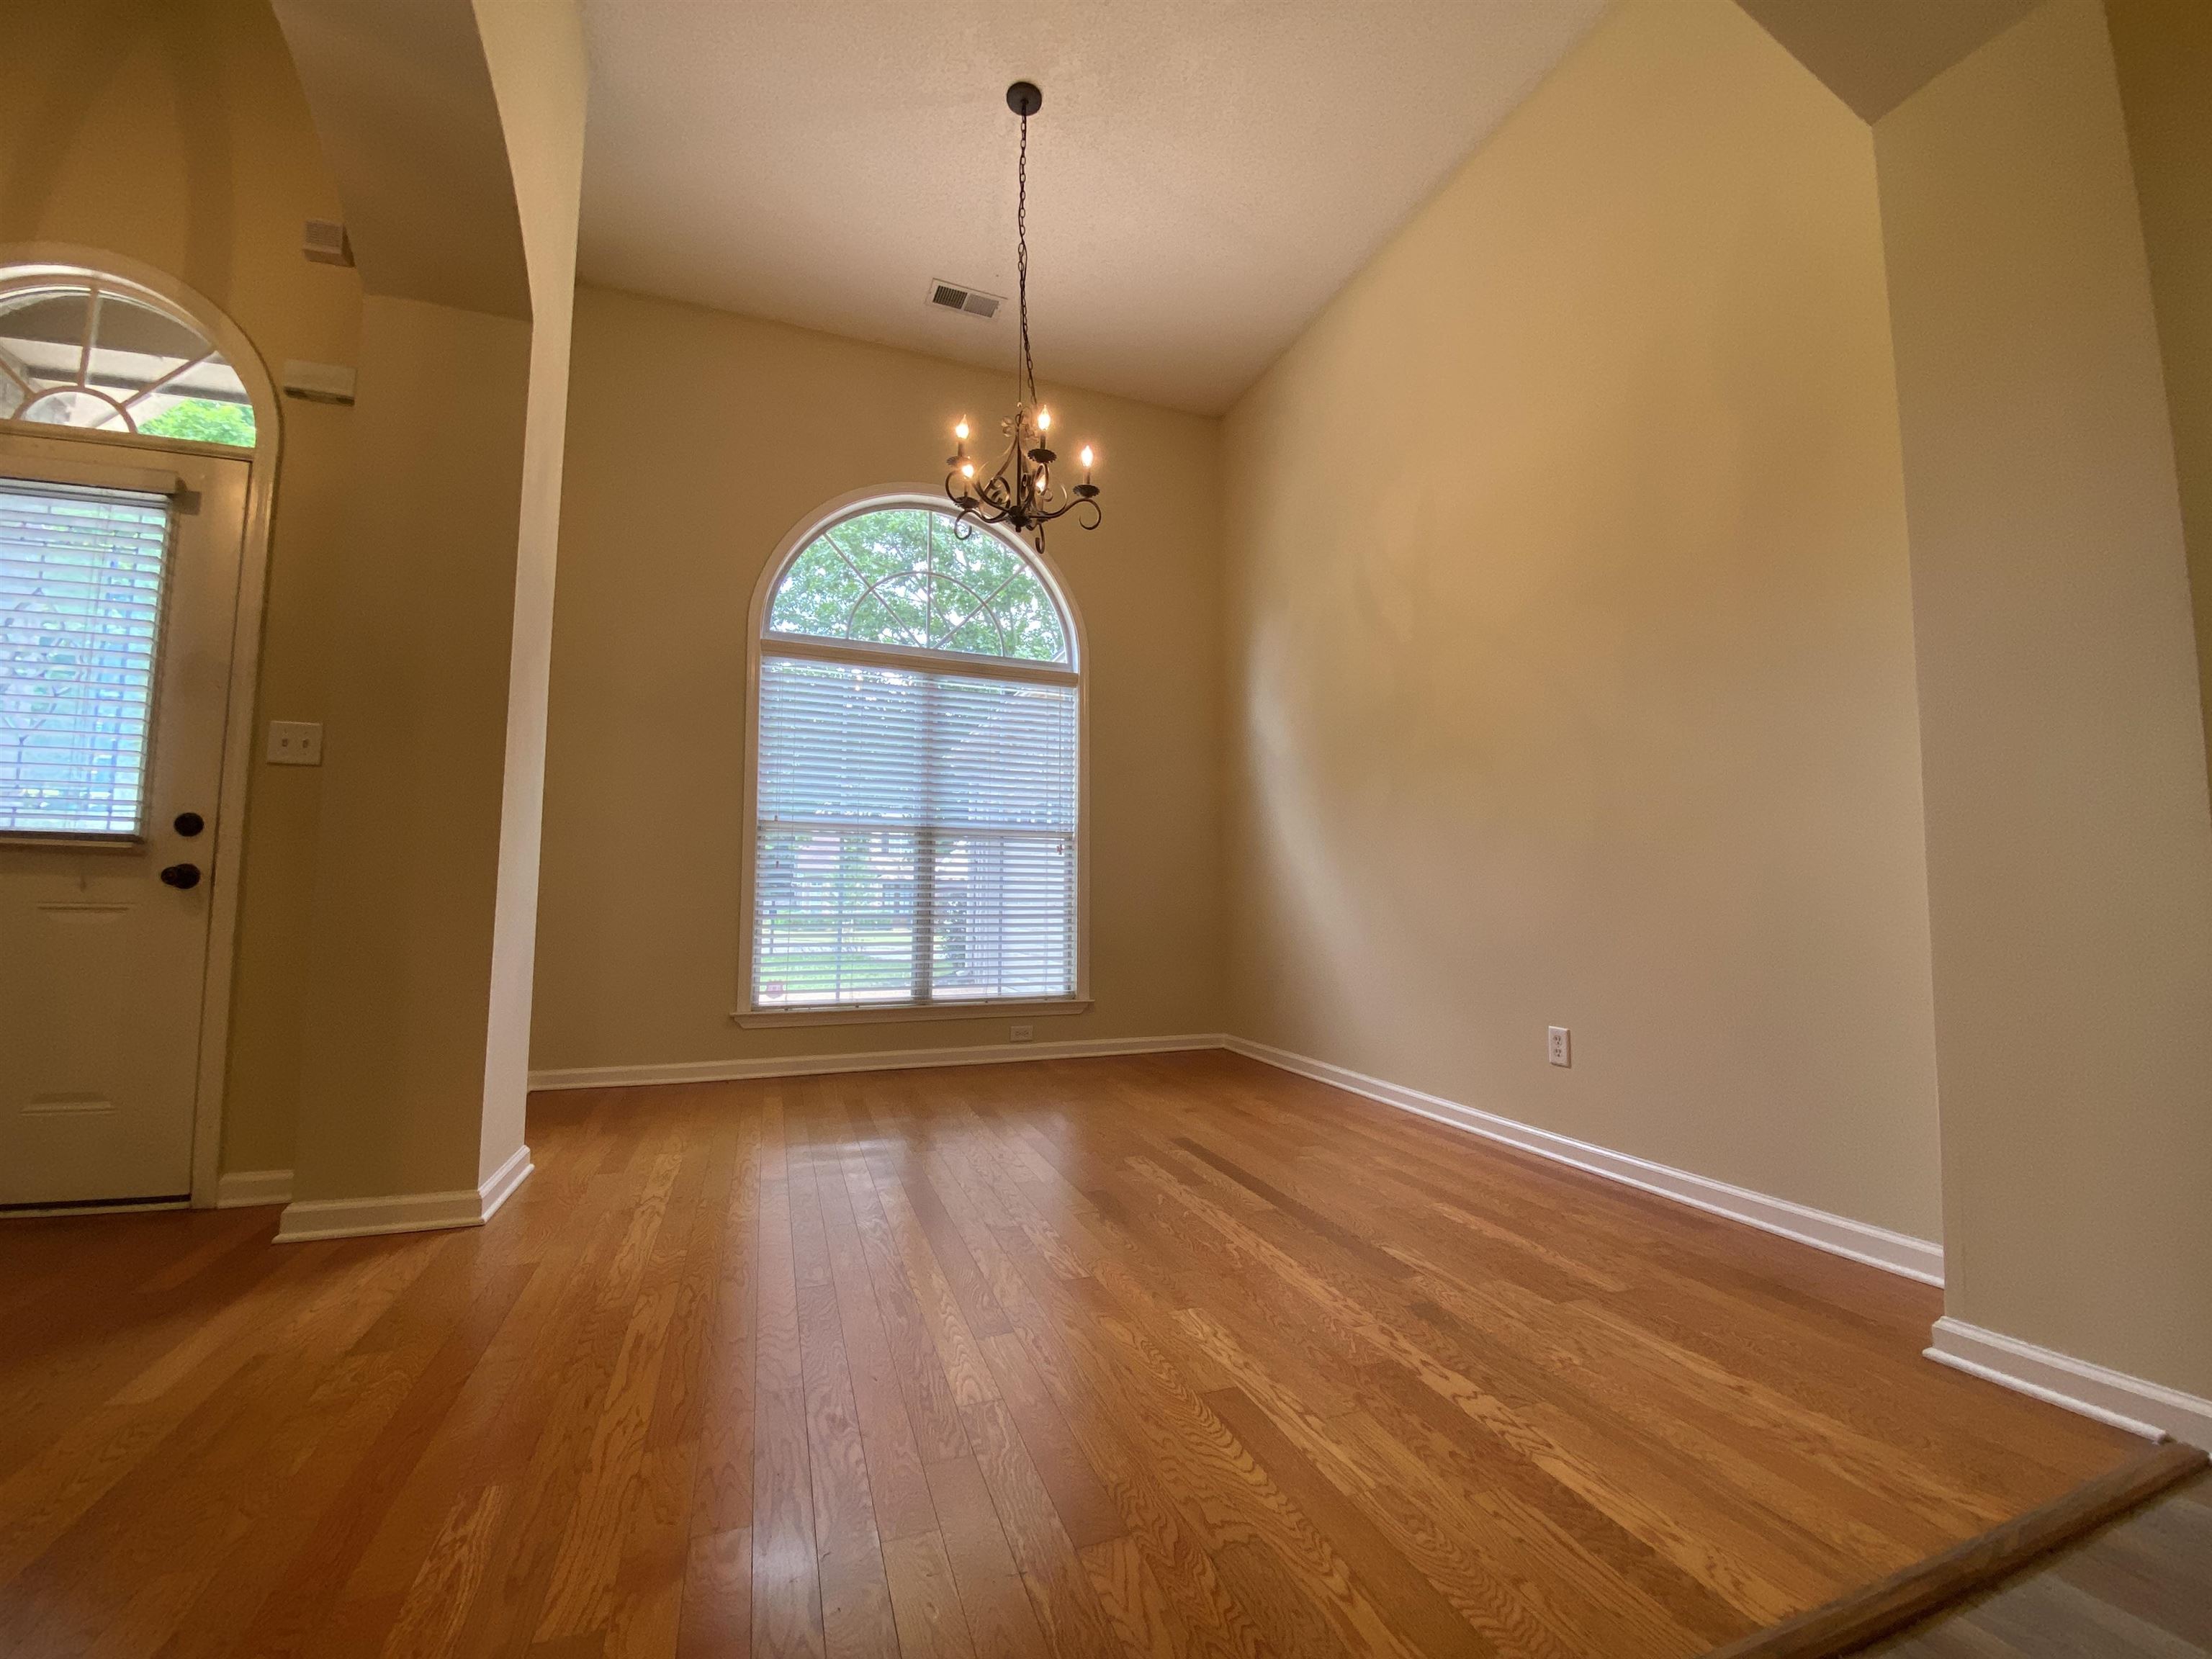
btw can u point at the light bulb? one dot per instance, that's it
(967, 469)
(961, 431)
(1086, 458)
(1044, 420)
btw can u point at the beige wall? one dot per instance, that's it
(174, 131)
(1570, 662)
(415, 131)
(697, 440)
(412, 1072)
(414, 707)
(2163, 50)
(2069, 843)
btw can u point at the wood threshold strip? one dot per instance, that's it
(1888, 1605)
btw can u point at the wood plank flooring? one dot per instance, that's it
(1160, 1356)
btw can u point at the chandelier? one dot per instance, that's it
(1021, 491)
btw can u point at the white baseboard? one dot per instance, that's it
(886, 1060)
(500, 1185)
(403, 1213)
(1897, 1253)
(238, 1189)
(2149, 1409)
(1877, 1247)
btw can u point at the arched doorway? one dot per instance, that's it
(137, 433)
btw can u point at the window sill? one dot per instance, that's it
(899, 1013)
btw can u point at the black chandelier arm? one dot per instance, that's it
(988, 508)
(999, 487)
(1047, 515)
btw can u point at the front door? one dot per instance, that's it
(118, 593)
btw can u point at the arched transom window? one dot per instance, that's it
(83, 349)
(917, 790)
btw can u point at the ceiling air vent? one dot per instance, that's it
(953, 297)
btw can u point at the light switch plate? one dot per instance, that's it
(1024, 1033)
(296, 743)
(1560, 1050)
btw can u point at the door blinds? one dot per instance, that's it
(916, 836)
(80, 576)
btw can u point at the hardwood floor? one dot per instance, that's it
(1163, 1356)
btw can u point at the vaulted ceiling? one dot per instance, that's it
(1205, 174)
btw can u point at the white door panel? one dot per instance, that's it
(102, 964)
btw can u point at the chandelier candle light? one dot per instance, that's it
(1021, 492)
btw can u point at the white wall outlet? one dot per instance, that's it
(1024, 1033)
(296, 743)
(1561, 1049)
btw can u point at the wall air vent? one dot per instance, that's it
(952, 297)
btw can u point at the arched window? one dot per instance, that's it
(84, 349)
(917, 785)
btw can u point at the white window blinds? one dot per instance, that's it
(81, 575)
(916, 836)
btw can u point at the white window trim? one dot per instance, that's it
(828, 517)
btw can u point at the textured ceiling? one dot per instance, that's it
(1204, 175)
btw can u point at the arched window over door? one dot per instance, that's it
(84, 349)
(917, 777)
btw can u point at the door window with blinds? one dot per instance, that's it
(82, 573)
(917, 785)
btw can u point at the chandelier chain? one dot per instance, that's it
(1025, 375)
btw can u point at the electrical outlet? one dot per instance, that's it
(1561, 1050)
(296, 743)
(1024, 1033)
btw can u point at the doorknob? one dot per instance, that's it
(182, 875)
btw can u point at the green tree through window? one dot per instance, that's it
(202, 420)
(906, 576)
